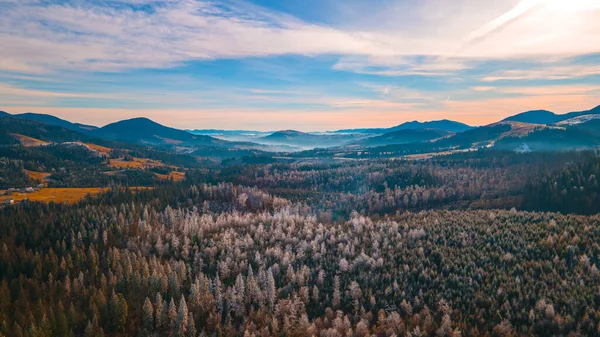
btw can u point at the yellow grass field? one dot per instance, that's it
(99, 148)
(39, 176)
(28, 141)
(137, 163)
(59, 195)
(176, 176)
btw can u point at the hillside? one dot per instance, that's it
(548, 117)
(481, 137)
(286, 135)
(38, 130)
(552, 139)
(403, 137)
(52, 120)
(146, 131)
(444, 125)
(215, 132)
(593, 111)
(307, 140)
(535, 117)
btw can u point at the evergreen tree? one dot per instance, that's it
(148, 318)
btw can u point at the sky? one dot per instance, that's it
(310, 65)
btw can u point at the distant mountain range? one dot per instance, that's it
(538, 130)
(138, 131)
(309, 140)
(547, 117)
(216, 132)
(403, 137)
(445, 125)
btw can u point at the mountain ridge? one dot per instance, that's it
(443, 124)
(53, 120)
(548, 117)
(403, 137)
(431, 135)
(144, 130)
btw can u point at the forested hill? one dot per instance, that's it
(223, 259)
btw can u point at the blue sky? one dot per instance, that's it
(308, 65)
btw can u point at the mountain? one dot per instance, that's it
(216, 132)
(444, 125)
(53, 120)
(12, 128)
(579, 119)
(481, 137)
(307, 140)
(4, 113)
(145, 131)
(577, 137)
(535, 117)
(548, 117)
(364, 130)
(593, 111)
(286, 135)
(403, 137)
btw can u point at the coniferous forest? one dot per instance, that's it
(479, 244)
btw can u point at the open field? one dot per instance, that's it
(28, 141)
(176, 176)
(138, 163)
(99, 148)
(58, 195)
(39, 176)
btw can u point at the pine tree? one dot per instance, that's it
(191, 327)
(271, 290)
(159, 312)
(147, 317)
(218, 295)
(336, 292)
(172, 315)
(117, 312)
(181, 322)
(240, 289)
(195, 295)
(164, 318)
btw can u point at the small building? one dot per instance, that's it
(10, 201)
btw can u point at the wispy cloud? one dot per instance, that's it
(440, 58)
(99, 37)
(548, 72)
(11, 90)
(109, 36)
(547, 90)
